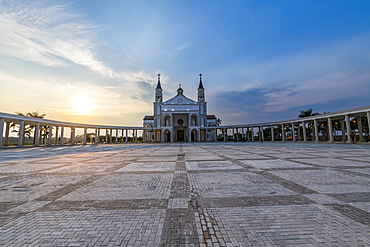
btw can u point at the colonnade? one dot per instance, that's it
(52, 133)
(298, 129)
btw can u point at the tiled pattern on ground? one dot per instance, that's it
(186, 194)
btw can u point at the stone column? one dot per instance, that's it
(135, 135)
(272, 133)
(248, 134)
(162, 136)
(7, 129)
(106, 136)
(359, 125)
(252, 134)
(126, 135)
(199, 135)
(122, 137)
(293, 132)
(304, 132)
(40, 137)
(36, 135)
(330, 129)
(316, 130)
(348, 125)
(73, 134)
(56, 135)
(111, 135)
(2, 122)
(85, 135)
(343, 130)
(96, 136)
(368, 120)
(61, 135)
(283, 137)
(259, 133)
(116, 135)
(223, 130)
(144, 135)
(299, 133)
(233, 133)
(262, 135)
(21, 134)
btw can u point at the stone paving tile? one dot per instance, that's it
(352, 197)
(26, 188)
(22, 168)
(330, 162)
(276, 163)
(246, 157)
(81, 168)
(104, 205)
(121, 227)
(124, 186)
(148, 167)
(322, 199)
(238, 184)
(272, 200)
(286, 226)
(178, 203)
(211, 165)
(186, 194)
(326, 181)
(202, 157)
(29, 206)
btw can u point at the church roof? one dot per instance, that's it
(148, 118)
(179, 99)
(211, 117)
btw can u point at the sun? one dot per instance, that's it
(82, 104)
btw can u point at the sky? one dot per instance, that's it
(96, 61)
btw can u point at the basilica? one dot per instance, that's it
(179, 119)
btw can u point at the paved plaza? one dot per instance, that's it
(186, 194)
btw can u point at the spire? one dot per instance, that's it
(159, 82)
(200, 82)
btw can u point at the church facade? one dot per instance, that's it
(179, 119)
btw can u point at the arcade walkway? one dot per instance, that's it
(189, 194)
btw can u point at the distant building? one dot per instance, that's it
(179, 118)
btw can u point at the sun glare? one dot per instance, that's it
(82, 104)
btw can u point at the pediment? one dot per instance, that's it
(179, 99)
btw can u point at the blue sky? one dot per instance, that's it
(96, 61)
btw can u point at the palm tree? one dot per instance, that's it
(307, 113)
(30, 127)
(219, 121)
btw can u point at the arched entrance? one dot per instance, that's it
(194, 135)
(167, 135)
(180, 135)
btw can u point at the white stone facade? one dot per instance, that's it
(179, 118)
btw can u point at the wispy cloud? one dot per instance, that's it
(182, 47)
(48, 34)
(333, 73)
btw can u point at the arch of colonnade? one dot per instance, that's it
(314, 128)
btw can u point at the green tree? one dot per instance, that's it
(307, 113)
(28, 128)
(219, 121)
